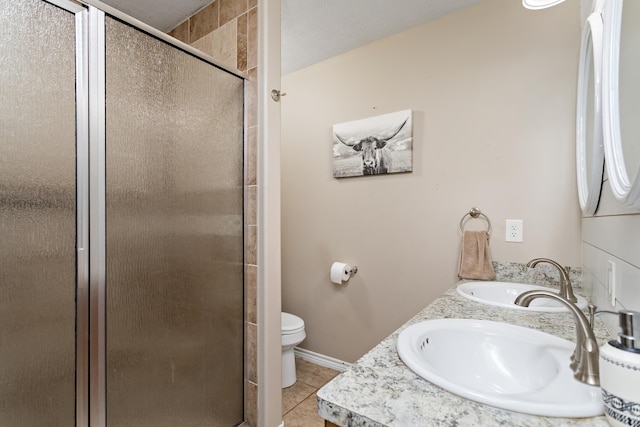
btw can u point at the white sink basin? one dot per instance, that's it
(499, 364)
(502, 294)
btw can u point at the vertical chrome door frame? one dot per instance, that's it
(82, 207)
(82, 228)
(90, 194)
(97, 220)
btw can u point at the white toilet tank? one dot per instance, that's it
(291, 323)
(292, 332)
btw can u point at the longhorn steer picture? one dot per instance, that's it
(379, 145)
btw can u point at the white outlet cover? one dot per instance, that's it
(514, 230)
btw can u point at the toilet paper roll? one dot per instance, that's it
(340, 272)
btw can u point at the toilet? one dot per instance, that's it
(292, 331)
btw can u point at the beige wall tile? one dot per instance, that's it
(251, 154)
(251, 98)
(220, 44)
(231, 9)
(251, 355)
(251, 404)
(251, 205)
(204, 22)
(251, 293)
(204, 44)
(252, 38)
(181, 32)
(242, 42)
(225, 47)
(252, 245)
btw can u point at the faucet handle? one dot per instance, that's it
(592, 314)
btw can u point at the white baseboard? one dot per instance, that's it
(321, 359)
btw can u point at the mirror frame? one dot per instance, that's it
(624, 190)
(590, 165)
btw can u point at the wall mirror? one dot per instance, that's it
(621, 107)
(589, 133)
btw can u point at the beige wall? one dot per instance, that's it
(492, 88)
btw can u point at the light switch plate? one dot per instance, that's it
(611, 282)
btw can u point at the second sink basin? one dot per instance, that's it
(499, 364)
(503, 294)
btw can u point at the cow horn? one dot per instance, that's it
(398, 131)
(344, 142)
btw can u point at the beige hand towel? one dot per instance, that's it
(475, 257)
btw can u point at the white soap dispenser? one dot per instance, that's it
(620, 372)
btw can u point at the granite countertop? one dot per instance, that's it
(380, 390)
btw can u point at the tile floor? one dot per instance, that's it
(299, 404)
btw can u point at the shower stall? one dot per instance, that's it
(121, 224)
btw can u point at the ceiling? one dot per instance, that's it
(315, 30)
(161, 14)
(312, 30)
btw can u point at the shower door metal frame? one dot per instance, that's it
(82, 202)
(90, 193)
(97, 308)
(97, 220)
(95, 311)
(82, 206)
(154, 32)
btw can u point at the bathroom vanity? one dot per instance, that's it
(380, 390)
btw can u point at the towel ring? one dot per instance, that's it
(475, 213)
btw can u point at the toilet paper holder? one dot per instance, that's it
(341, 272)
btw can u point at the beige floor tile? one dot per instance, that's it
(291, 396)
(312, 374)
(305, 414)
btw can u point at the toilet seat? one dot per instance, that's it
(291, 324)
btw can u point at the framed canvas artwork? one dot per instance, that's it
(373, 146)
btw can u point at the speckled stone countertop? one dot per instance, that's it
(380, 390)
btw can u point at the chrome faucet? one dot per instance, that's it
(584, 361)
(566, 290)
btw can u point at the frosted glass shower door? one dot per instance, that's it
(37, 214)
(174, 236)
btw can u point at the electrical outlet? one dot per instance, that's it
(611, 282)
(514, 230)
